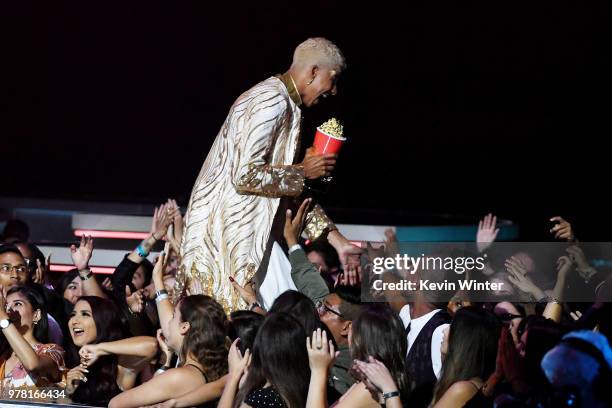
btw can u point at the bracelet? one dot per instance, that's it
(391, 394)
(89, 274)
(161, 297)
(154, 237)
(160, 292)
(254, 305)
(161, 370)
(141, 251)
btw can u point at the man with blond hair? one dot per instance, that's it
(251, 177)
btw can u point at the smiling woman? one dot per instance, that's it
(105, 363)
(28, 361)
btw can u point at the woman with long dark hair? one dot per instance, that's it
(377, 334)
(278, 373)
(27, 359)
(299, 306)
(470, 350)
(105, 363)
(242, 328)
(195, 329)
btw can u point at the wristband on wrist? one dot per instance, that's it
(391, 394)
(161, 297)
(141, 251)
(87, 276)
(254, 305)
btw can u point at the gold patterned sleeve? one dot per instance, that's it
(318, 223)
(272, 181)
(264, 120)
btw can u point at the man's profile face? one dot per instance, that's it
(322, 86)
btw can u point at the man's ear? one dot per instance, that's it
(314, 71)
(346, 327)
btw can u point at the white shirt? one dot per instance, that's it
(436, 339)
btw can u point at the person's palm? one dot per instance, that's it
(487, 232)
(349, 254)
(82, 254)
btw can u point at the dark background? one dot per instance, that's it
(451, 110)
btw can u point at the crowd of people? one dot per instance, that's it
(130, 340)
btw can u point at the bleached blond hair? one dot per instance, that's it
(318, 51)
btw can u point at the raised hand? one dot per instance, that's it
(564, 265)
(177, 221)
(294, 226)
(576, 255)
(134, 300)
(562, 230)
(41, 271)
(377, 374)
(107, 284)
(82, 254)
(518, 277)
(247, 293)
(350, 257)
(158, 270)
(487, 232)
(237, 363)
(162, 218)
(321, 352)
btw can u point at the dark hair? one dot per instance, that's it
(10, 248)
(379, 332)
(147, 271)
(37, 255)
(351, 301)
(244, 324)
(542, 336)
(326, 251)
(280, 358)
(65, 280)
(205, 340)
(16, 229)
(472, 348)
(299, 306)
(147, 267)
(37, 301)
(102, 385)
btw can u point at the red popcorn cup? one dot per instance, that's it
(324, 143)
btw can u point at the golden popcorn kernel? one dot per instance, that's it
(333, 127)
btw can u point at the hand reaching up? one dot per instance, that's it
(562, 230)
(82, 254)
(237, 363)
(377, 374)
(321, 352)
(163, 217)
(487, 232)
(294, 226)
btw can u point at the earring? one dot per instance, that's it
(311, 81)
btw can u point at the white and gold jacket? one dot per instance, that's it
(233, 203)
